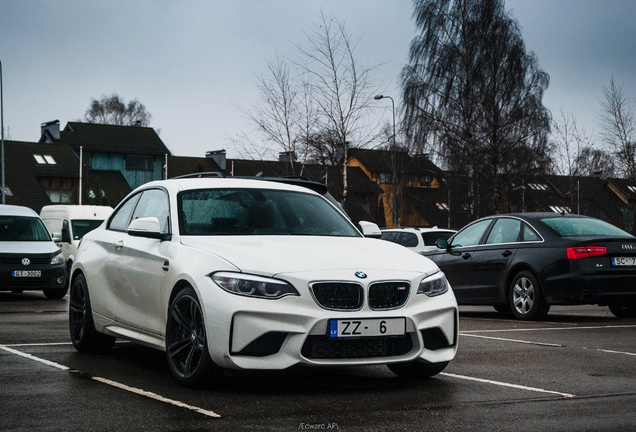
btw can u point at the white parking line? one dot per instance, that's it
(617, 352)
(512, 340)
(503, 384)
(113, 383)
(548, 329)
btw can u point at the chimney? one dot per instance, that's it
(288, 156)
(219, 158)
(53, 129)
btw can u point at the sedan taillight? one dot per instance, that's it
(586, 251)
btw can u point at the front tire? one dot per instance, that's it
(526, 298)
(186, 342)
(623, 311)
(83, 334)
(417, 369)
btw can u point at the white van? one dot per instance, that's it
(30, 259)
(70, 222)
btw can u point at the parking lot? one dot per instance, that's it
(574, 371)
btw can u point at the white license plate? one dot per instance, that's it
(367, 327)
(26, 273)
(624, 261)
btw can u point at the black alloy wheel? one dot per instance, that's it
(526, 298)
(186, 342)
(83, 334)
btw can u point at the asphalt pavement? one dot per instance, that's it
(574, 371)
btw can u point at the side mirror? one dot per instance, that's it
(369, 229)
(441, 244)
(57, 237)
(146, 227)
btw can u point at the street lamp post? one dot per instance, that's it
(396, 203)
(2, 135)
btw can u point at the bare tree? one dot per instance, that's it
(475, 94)
(115, 111)
(342, 90)
(284, 116)
(618, 129)
(571, 145)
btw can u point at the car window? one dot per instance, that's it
(259, 212)
(431, 237)
(530, 234)
(83, 226)
(568, 227)
(391, 236)
(121, 217)
(408, 239)
(471, 235)
(504, 231)
(154, 203)
(23, 228)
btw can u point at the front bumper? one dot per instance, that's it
(52, 277)
(249, 333)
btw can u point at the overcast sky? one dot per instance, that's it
(192, 62)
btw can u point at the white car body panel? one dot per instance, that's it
(131, 280)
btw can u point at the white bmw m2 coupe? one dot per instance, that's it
(229, 273)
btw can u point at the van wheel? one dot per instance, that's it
(55, 294)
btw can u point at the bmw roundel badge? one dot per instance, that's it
(361, 275)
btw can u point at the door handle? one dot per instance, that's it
(466, 255)
(506, 253)
(118, 244)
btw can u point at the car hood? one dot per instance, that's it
(28, 247)
(272, 255)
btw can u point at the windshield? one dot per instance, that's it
(259, 212)
(22, 228)
(568, 227)
(81, 227)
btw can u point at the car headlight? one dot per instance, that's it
(433, 285)
(57, 259)
(253, 286)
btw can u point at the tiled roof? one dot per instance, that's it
(379, 162)
(22, 170)
(113, 139)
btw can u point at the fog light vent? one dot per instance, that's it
(435, 339)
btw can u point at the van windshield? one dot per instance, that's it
(22, 228)
(81, 227)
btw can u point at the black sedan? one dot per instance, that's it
(523, 263)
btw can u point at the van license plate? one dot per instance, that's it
(26, 273)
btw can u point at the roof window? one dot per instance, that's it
(538, 186)
(44, 159)
(558, 209)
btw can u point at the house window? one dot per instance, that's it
(426, 181)
(442, 206)
(385, 178)
(538, 186)
(49, 160)
(59, 196)
(7, 191)
(631, 188)
(139, 163)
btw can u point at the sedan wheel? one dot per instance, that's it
(186, 342)
(83, 334)
(526, 298)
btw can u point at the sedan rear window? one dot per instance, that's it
(569, 227)
(22, 228)
(259, 212)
